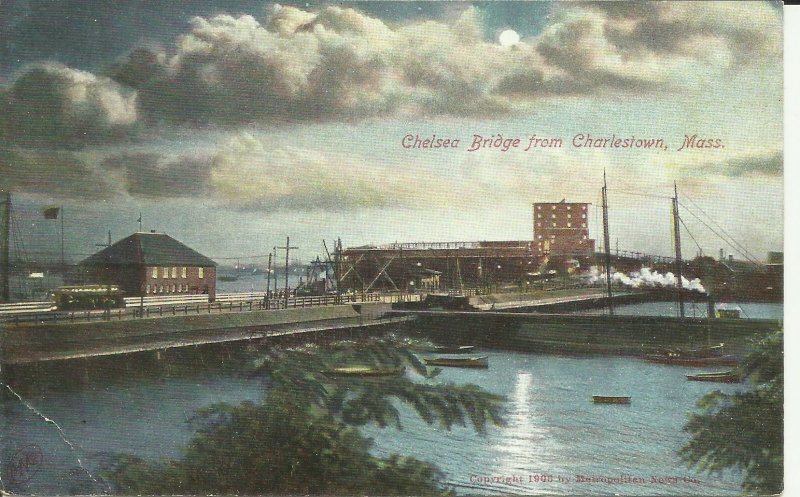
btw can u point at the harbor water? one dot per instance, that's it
(556, 440)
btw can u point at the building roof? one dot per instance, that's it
(149, 249)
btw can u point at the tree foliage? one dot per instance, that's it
(304, 437)
(744, 430)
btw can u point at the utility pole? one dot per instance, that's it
(275, 276)
(678, 262)
(287, 248)
(108, 276)
(269, 279)
(607, 246)
(5, 246)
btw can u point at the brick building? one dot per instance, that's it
(150, 264)
(561, 230)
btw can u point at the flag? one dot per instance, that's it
(140, 219)
(51, 212)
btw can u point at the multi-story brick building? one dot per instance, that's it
(147, 264)
(561, 229)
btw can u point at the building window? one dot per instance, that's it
(539, 216)
(160, 288)
(553, 237)
(553, 216)
(583, 225)
(155, 272)
(583, 216)
(584, 207)
(174, 272)
(200, 272)
(554, 225)
(569, 216)
(539, 207)
(540, 237)
(569, 225)
(183, 272)
(585, 237)
(553, 206)
(165, 272)
(173, 288)
(539, 225)
(569, 207)
(148, 289)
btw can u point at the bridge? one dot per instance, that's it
(32, 342)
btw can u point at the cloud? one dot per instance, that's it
(340, 64)
(763, 165)
(59, 173)
(150, 174)
(260, 174)
(53, 106)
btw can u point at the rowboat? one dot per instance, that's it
(716, 377)
(458, 362)
(463, 349)
(677, 359)
(610, 399)
(370, 371)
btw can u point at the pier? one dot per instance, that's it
(582, 334)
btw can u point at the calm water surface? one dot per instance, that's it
(86, 413)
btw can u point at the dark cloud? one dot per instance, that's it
(153, 175)
(765, 165)
(61, 174)
(53, 106)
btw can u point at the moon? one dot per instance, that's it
(508, 38)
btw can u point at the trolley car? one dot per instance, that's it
(87, 297)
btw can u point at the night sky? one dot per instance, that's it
(232, 124)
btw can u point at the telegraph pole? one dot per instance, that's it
(287, 248)
(269, 279)
(606, 243)
(678, 262)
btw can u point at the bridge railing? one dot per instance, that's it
(34, 312)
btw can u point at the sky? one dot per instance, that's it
(231, 125)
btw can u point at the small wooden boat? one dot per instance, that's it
(463, 349)
(716, 377)
(610, 399)
(364, 371)
(458, 362)
(677, 359)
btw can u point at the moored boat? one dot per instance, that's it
(677, 359)
(463, 349)
(716, 377)
(611, 399)
(370, 371)
(459, 362)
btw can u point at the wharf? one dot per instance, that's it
(586, 334)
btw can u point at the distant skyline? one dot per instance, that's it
(230, 125)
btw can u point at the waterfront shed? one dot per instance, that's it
(152, 264)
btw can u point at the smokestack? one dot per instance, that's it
(730, 257)
(721, 255)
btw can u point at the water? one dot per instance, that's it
(554, 430)
(553, 427)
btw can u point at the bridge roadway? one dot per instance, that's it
(61, 341)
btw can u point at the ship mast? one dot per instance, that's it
(607, 245)
(678, 262)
